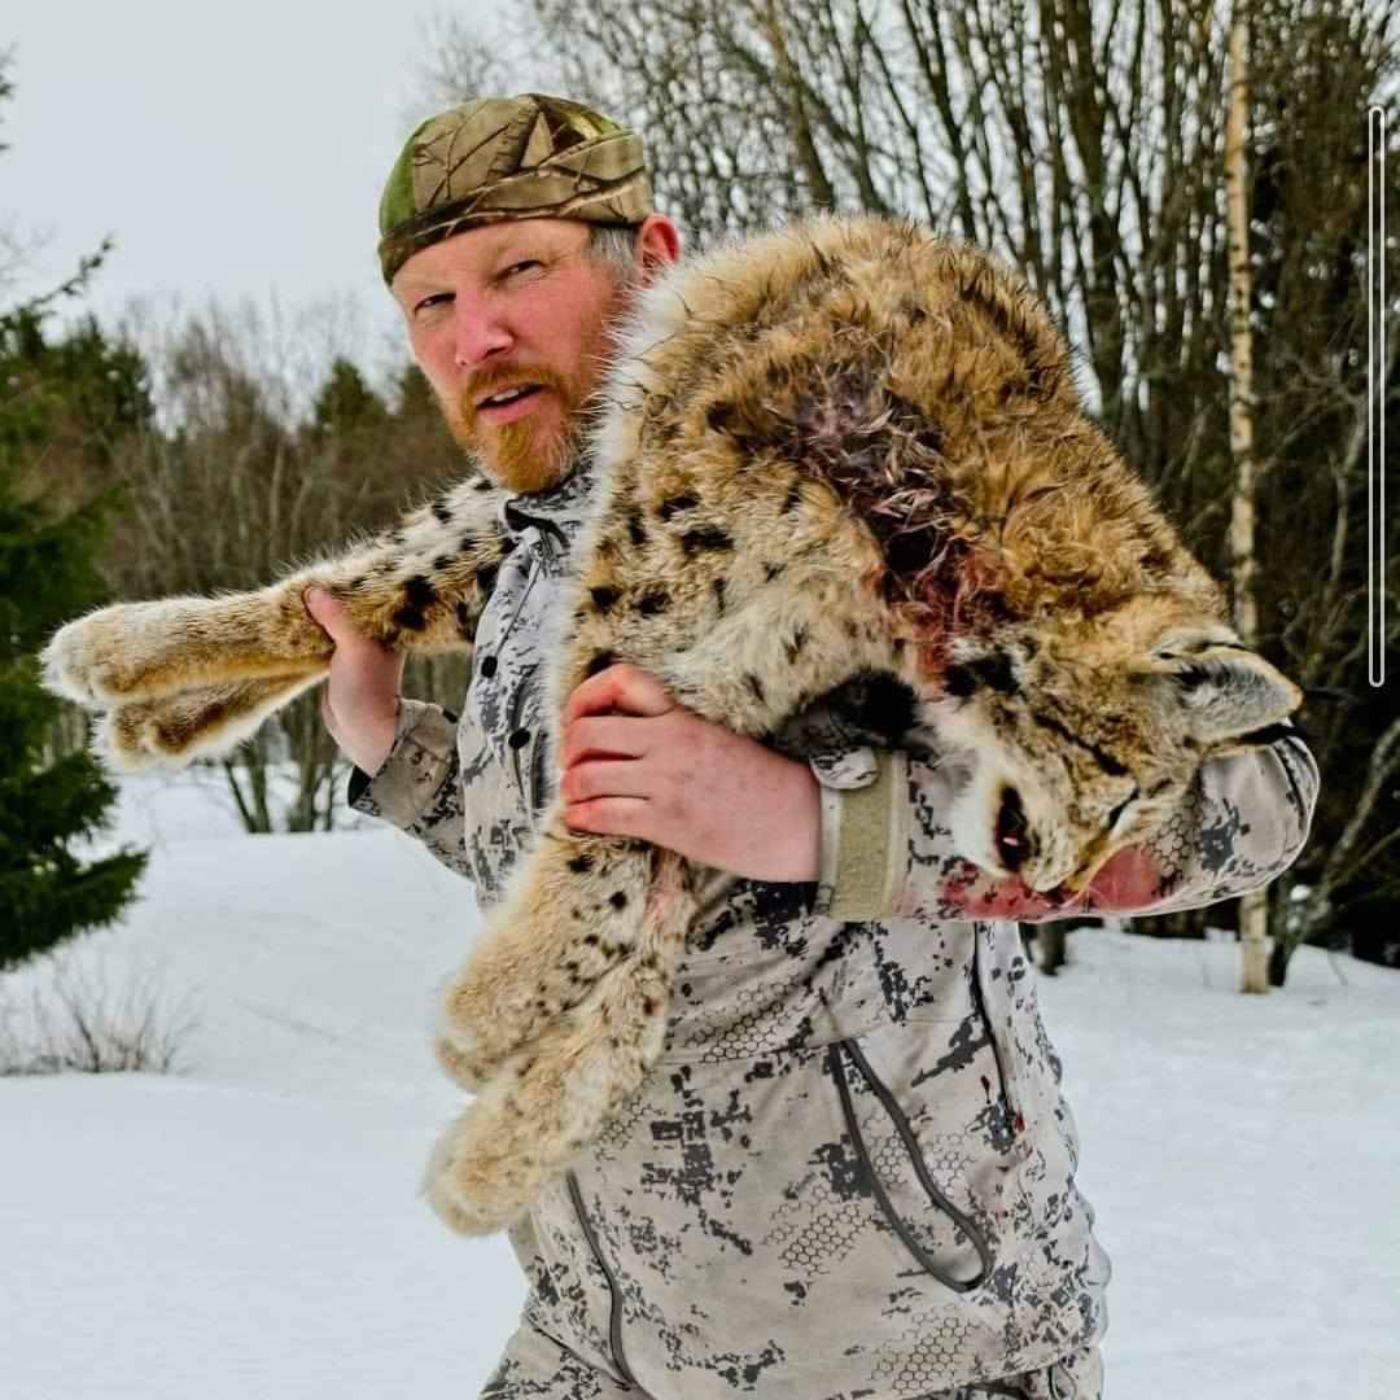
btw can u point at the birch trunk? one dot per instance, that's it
(1254, 908)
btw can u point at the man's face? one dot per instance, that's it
(510, 323)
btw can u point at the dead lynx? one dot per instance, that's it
(847, 451)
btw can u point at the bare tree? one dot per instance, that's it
(252, 470)
(1083, 141)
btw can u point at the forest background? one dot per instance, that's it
(1081, 141)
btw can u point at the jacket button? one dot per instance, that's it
(519, 739)
(487, 666)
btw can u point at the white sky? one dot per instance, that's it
(230, 149)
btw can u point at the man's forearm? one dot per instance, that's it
(418, 787)
(888, 852)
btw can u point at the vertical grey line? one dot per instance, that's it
(1375, 395)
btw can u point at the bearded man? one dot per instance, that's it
(851, 1172)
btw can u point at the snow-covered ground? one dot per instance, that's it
(250, 1227)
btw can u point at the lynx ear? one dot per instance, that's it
(1227, 691)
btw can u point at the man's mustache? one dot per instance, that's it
(499, 377)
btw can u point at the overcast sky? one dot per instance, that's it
(235, 149)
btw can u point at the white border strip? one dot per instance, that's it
(1375, 395)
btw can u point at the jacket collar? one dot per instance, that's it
(556, 508)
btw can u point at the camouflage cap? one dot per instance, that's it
(497, 158)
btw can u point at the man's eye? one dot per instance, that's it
(430, 303)
(523, 266)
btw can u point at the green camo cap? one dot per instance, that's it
(498, 158)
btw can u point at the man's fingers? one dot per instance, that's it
(603, 737)
(328, 613)
(621, 689)
(609, 816)
(333, 617)
(623, 777)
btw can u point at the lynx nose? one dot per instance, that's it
(1013, 834)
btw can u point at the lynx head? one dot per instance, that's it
(1080, 737)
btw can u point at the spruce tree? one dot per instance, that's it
(48, 554)
(47, 892)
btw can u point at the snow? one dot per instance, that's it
(251, 1226)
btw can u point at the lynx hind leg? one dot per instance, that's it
(175, 730)
(420, 586)
(529, 1122)
(574, 913)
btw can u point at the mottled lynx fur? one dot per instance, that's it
(847, 450)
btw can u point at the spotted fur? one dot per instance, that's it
(847, 454)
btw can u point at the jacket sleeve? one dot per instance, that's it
(887, 852)
(418, 788)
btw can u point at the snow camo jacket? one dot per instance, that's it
(852, 1171)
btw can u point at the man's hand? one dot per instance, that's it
(636, 763)
(360, 704)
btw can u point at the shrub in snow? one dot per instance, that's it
(76, 1020)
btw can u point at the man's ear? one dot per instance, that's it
(658, 245)
(1226, 691)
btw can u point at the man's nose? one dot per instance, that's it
(480, 331)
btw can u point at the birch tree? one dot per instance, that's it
(1254, 907)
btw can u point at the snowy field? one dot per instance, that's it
(250, 1228)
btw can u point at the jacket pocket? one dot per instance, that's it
(924, 1108)
(837, 1055)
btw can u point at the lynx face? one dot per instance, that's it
(1079, 745)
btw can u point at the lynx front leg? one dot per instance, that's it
(576, 912)
(143, 651)
(421, 587)
(193, 724)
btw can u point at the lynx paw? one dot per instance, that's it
(532, 1120)
(175, 730)
(490, 1015)
(523, 1131)
(113, 654)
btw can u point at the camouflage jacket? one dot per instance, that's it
(852, 1172)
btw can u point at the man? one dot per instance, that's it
(852, 1171)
